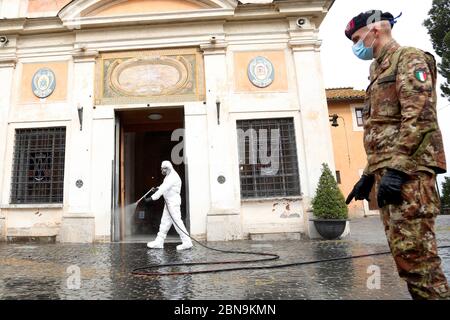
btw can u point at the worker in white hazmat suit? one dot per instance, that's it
(170, 189)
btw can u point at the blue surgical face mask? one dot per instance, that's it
(361, 51)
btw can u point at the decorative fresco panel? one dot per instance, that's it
(150, 76)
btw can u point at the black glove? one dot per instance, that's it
(149, 199)
(362, 188)
(390, 190)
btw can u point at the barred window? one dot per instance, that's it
(338, 177)
(359, 117)
(38, 166)
(268, 158)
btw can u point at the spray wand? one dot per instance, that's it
(152, 189)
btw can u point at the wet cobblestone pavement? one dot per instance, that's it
(31, 271)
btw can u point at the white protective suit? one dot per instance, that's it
(170, 189)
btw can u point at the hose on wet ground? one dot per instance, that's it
(145, 271)
(141, 271)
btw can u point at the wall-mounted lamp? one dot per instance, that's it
(334, 123)
(333, 120)
(218, 110)
(80, 115)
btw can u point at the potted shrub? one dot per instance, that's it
(445, 198)
(329, 208)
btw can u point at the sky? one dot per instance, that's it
(342, 69)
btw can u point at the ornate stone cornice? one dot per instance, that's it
(76, 14)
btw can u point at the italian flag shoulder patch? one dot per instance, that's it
(421, 75)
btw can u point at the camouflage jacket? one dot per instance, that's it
(400, 122)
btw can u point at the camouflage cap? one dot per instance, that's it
(365, 18)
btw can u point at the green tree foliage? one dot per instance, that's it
(445, 198)
(329, 202)
(438, 25)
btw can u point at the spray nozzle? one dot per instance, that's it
(151, 190)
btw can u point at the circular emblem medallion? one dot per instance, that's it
(79, 183)
(43, 83)
(221, 179)
(261, 72)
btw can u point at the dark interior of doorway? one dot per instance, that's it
(146, 143)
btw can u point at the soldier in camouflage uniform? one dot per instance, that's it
(404, 150)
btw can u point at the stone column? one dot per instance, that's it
(7, 67)
(223, 219)
(314, 117)
(78, 222)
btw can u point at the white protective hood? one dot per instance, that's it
(170, 189)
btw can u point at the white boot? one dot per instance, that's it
(158, 243)
(185, 245)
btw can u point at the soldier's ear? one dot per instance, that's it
(376, 30)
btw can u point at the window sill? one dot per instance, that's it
(271, 199)
(32, 206)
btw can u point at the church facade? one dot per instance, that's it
(96, 93)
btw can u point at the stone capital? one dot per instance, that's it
(8, 61)
(84, 55)
(305, 45)
(214, 48)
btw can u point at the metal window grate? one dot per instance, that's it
(279, 176)
(38, 165)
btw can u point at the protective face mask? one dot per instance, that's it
(361, 51)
